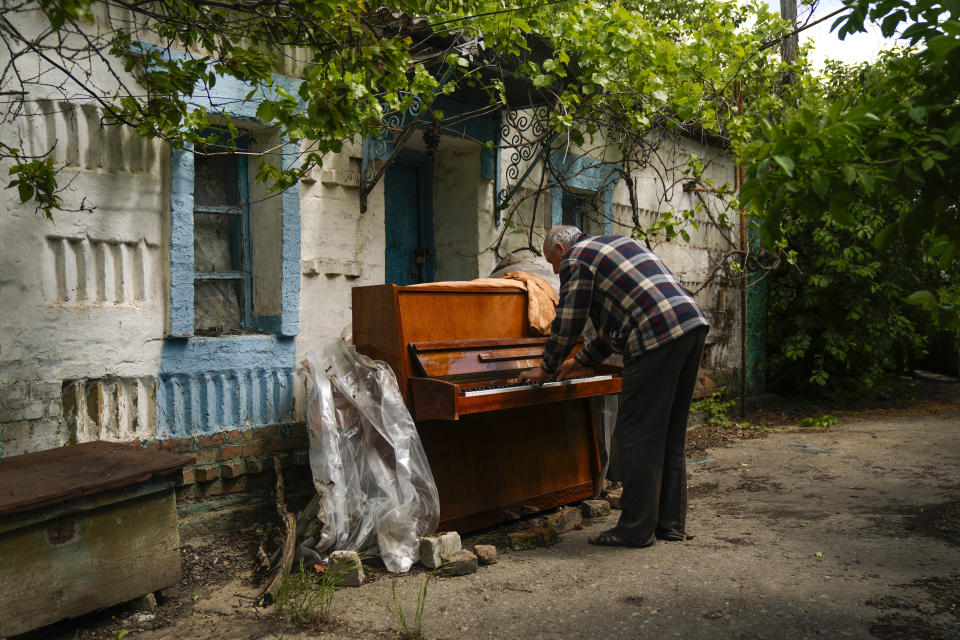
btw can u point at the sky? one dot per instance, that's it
(860, 47)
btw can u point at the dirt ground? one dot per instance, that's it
(850, 531)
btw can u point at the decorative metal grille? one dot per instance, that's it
(379, 150)
(527, 135)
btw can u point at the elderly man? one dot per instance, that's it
(641, 310)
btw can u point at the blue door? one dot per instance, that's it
(408, 220)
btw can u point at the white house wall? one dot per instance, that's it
(85, 312)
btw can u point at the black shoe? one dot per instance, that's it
(671, 536)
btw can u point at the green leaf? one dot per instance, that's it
(542, 80)
(840, 211)
(786, 163)
(26, 191)
(849, 174)
(940, 47)
(820, 184)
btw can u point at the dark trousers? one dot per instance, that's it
(650, 438)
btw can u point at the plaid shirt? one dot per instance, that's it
(635, 302)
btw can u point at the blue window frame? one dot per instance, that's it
(222, 248)
(232, 266)
(588, 180)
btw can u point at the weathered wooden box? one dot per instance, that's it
(84, 527)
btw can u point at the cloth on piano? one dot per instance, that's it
(542, 298)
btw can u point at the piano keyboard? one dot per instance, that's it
(483, 391)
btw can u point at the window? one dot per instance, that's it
(580, 210)
(221, 242)
(585, 198)
(234, 247)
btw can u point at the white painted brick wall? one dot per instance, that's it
(84, 297)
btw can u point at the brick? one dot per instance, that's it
(232, 436)
(45, 390)
(188, 476)
(214, 440)
(347, 567)
(533, 538)
(236, 485)
(206, 473)
(522, 540)
(10, 431)
(435, 549)
(461, 563)
(53, 408)
(255, 465)
(232, 469)
(283, 444)
(16, 447)
(251, 449)
(614, 496)
(262, 433)
(14, 410)
(546, 537)
(208, 455)
(595, 508)
(178, 446)
(563, 520)
(189, 492)
(14, 391)
(486, 554)
(214, 488)
(230, 452)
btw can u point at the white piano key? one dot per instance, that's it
(545, 385)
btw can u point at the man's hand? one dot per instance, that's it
(535, 375)
(570, 367)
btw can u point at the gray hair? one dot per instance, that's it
(565, 234)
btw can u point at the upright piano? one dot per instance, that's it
(498, 450)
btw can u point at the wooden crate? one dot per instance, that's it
(84, 527)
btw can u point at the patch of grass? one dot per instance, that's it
(306, 595)
(822, 421)
(716, 410)
(409, 630)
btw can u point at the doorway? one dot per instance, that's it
(408, 220)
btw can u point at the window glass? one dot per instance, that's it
(583, 210)
(217, 242)
(215, 178)
(217, 306)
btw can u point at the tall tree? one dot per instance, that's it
(889, 142)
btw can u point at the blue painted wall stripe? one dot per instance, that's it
(181, 243)
(290, 250)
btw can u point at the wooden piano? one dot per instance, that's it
(498, 451)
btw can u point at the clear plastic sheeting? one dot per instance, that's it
(605, 410)
(373, 480)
